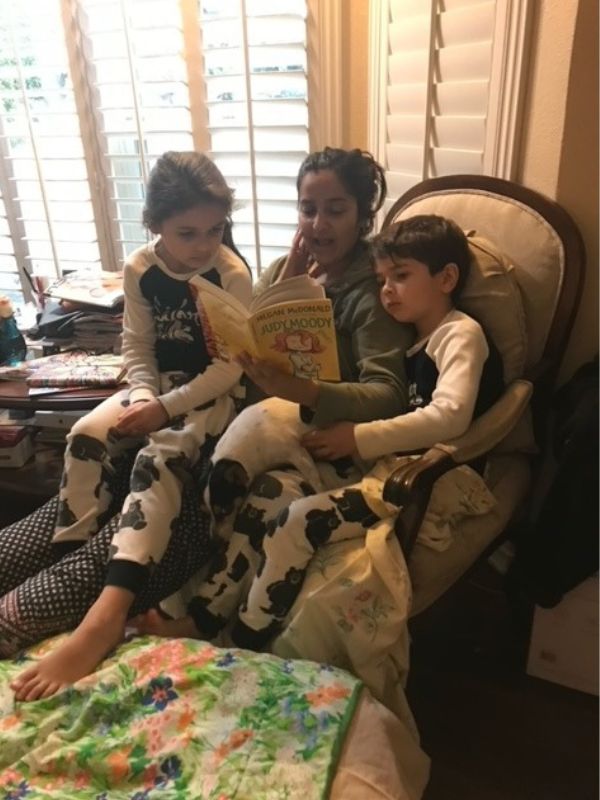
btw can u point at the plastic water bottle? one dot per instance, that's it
(12, 344)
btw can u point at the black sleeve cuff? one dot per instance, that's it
(127, 574)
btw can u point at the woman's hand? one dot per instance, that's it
(299, 259)
(142, 417)
(277, 383)
(330, 443)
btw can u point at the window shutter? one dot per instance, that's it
(133, 55)
(46, 209)
(256, 89)
(444, 64)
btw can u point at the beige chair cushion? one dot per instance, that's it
(493, 297)
(432, 573)
(529, 241)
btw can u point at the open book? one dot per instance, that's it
(290, 325)
(89, 287)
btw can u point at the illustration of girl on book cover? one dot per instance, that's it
(300, 346)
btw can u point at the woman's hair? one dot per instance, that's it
(360, 175)
(183, 180)
(432, 240)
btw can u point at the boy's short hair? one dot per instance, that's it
(432, 240)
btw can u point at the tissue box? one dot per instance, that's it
(16, 446)
(564, 640)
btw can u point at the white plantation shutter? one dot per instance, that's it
(133, 54)
(9, 276)
(46, 209)
(440, 88)
(93, 91)
(255, 68)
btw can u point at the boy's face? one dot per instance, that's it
(410, 293)
(190, 240)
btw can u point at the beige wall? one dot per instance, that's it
(559, 147)
(559, 152)
(355, 32)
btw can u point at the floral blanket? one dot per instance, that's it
(178, 719)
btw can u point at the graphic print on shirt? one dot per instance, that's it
(422, 375)
(179, 342)
(174, 323)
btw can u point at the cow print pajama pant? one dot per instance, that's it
(162, 465)
(42, 594)
(275, 535)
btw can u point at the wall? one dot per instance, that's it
(559, 149)
(355, 32)
(559, 146)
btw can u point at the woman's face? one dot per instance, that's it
(327, 218)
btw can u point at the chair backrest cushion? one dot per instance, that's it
(493, 297)
(527, 241)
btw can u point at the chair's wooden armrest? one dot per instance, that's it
(490, 428)
(413, 475)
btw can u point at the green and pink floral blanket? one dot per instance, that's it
(164, 719)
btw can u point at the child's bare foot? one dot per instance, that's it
(99, 632)
(154, 624)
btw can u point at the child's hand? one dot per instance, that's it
(330, 443)
(277, 383)
(143, 417)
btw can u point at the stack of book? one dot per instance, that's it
(87, 312)
(69, 369)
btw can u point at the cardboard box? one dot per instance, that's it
(564, 640)
(15, 455)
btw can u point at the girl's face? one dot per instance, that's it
(190, 239)
(328, 218)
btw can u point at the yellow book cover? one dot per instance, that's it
(290, 325)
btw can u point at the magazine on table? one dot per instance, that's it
(71, 368)
(290, 325)
(89, 287)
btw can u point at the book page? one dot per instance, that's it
(225, 326)
(299, 337)
(302, 287)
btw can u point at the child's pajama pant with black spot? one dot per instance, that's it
(42, 594)
(275, 535)
(163, 463)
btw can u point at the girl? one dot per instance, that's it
(178, 401)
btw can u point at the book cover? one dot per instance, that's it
(95, 288)
(72, 368)
(290, 325)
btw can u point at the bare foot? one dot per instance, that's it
(154, 624)
(100, 631)
(77, 657)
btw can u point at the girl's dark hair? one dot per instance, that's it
(358, 172)
(182, 180)
(432, 240)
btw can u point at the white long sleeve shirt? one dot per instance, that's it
(448, 373)
(162, 331)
